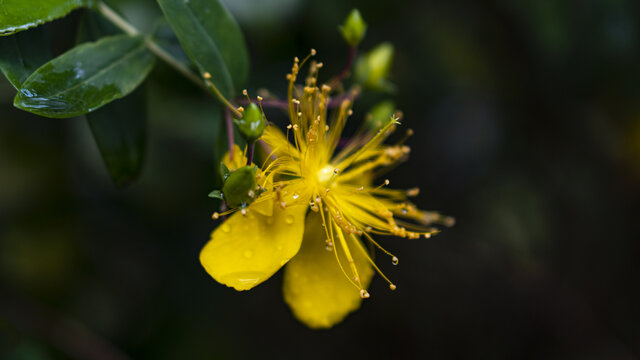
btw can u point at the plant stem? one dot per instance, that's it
(116, 19)
(207, 85)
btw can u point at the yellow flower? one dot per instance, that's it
(319, 211)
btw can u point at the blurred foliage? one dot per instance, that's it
(527, 126)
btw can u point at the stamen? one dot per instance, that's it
(364, 252)
(413, 192)
(347, 253)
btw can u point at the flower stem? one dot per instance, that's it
(229, 122)
(251, 149)
(207, 85)
(347, 68)
(271, 103)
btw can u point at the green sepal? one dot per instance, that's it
(225, 171)
(216, 194)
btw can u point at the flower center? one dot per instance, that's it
(325, 174)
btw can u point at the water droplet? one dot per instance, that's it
(295, 196)
(226, 228)
(404, 211)
(248, 254)
(395, 260)
(289, 219)
(364, 294)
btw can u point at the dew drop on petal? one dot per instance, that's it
(289, 219)
(295, 196)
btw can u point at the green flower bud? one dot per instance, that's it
(240, 187)
(373, 67)
(379, 115)
(354, 28)
(252, 123)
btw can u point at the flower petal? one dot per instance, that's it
(315, 288)
(246, 250)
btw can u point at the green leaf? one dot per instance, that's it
(119, 130)
(164, 36)
(86, 78)
(18, 15)
(22, 53)
(212, 39)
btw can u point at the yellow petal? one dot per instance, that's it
(239, 159)
(246, 250)
(315, 287)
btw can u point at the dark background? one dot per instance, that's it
(527, 122)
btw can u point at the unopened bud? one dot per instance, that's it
(252, 123)
(372, 68)
(239, 185)
(354, 28)
(380, 114)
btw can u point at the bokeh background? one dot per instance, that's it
(527, 122)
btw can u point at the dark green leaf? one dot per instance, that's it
(22, 53)
(212, 39)
(119, 128)
(164, 36)
(86, 78)
(18, 15)
(120, 133)
(94, 26)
